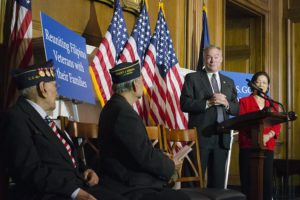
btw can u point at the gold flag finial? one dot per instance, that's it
(147, 5)
(204, 7)
(161, 6)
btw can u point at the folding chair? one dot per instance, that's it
(84, 133)
(154, 134)
(189, 137)
(175, 141)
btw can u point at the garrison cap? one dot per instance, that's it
(125, 71)
(34, 74)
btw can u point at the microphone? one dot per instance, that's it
(254, 87)
(292, 116)
(263, 95)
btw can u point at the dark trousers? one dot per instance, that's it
(244, 162)
(97, 191)
(157, 194)
(214, 160)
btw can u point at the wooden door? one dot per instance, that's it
(243, 53)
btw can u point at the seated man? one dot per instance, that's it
(40, 158)
(128, 163)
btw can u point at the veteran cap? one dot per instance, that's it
(124, 72)
(34, 74)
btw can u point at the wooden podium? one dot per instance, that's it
(254, 123)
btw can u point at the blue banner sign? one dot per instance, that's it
(240, 82)
(68, 51)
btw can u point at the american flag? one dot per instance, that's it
(19, 49)
(167, 82)
(106, 56)
(135, 49)
(139, 40)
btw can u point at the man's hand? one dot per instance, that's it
(83, 195)
(218, 99)
(91, 177)
(177, 171)
(178, 165)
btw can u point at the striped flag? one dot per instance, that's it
(139, 40)
(204, 38)
(167, 82)
(135, 49)
(19, 49)
(106, 56)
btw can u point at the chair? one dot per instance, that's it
(85, 133)
(174, 142)
(189, 137)
(154, 134)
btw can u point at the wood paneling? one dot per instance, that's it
(91, 19)
(240, 56)
(295, 88)
(256, 6)
(241, 45)
(238, 65)
(293, 4)
(277, 67)
(253, 41)
(216, 19)
(193, 30)
(58, 10)
(238, 32)
(291, 82)
(2, 13)
(78, 17)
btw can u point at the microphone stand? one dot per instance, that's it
(266, 97)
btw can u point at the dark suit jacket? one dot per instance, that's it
(128, 160)
(36, 159)
(195, 92)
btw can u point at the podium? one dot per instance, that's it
(254, 123)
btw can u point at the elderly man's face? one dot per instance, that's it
(50, 88)
(139, 86)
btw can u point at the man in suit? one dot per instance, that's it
(40, 158)
(128, 163)
(209, 98)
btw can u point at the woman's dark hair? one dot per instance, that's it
(257, 74)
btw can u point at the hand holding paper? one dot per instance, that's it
(182, 153)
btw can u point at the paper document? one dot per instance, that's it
(182, 152)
